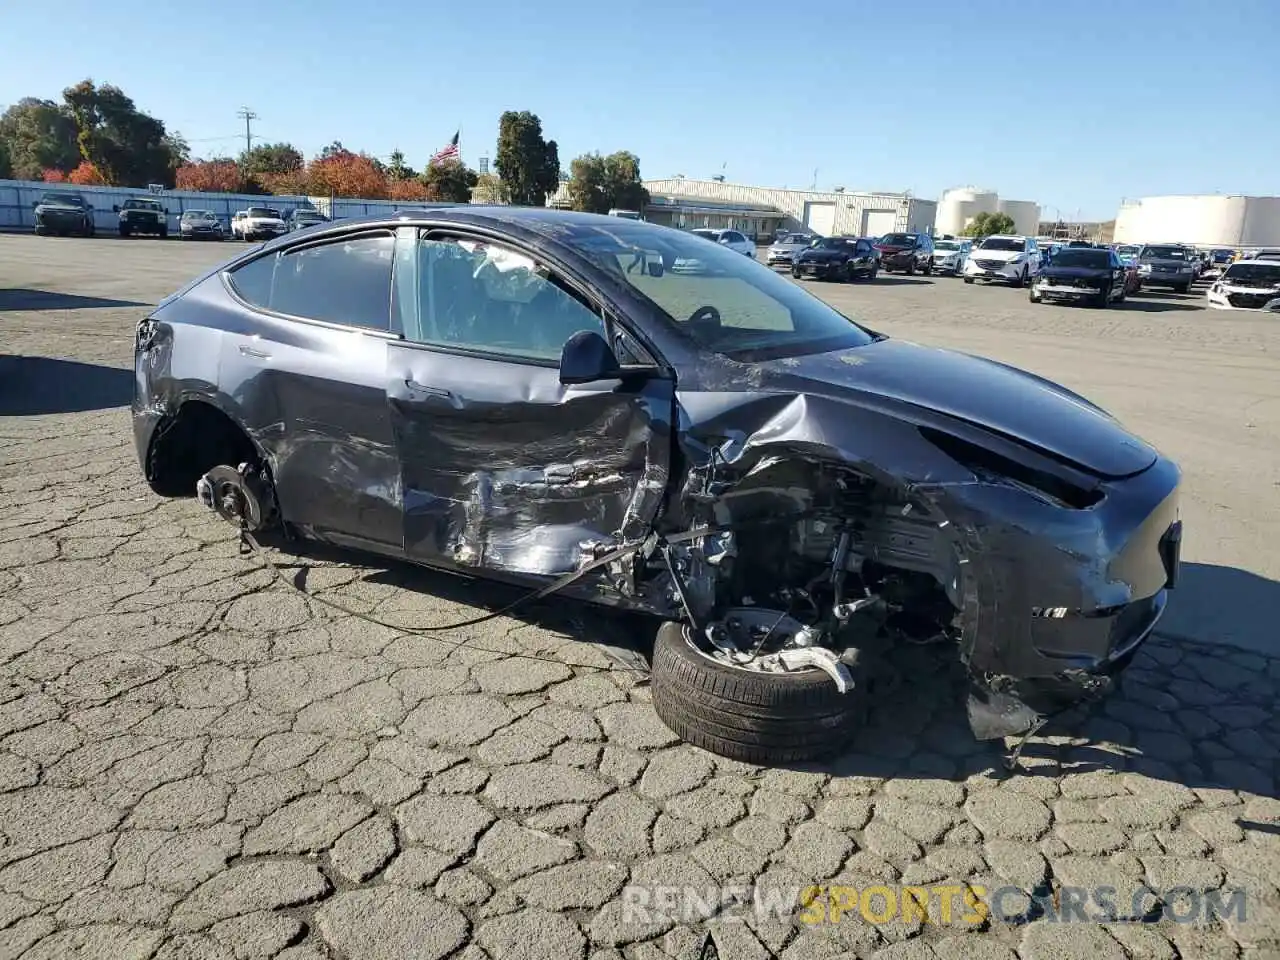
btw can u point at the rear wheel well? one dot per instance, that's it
(192, 441)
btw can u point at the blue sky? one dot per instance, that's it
(1074, 103)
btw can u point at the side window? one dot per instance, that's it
(346, 282)
(734, 237)
(482, 296)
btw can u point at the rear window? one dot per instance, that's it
(347, 281)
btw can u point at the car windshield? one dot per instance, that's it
(141, 205)
(946, 245)
(833, 243)
(263, 212)
(1164, 253)
(1080, 257)
(1004, 243)
(1254, 272)
(1128, 250)
(729, 304)
(198, 215)
(308, 215)
(69, 199)
(706, 234)
(898, 239)
(795, 238)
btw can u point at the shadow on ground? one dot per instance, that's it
(23, 299)
(1225, 605)
(30, 386)
(1155, 306)
(1185, 712)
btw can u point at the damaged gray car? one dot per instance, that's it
(536, 396)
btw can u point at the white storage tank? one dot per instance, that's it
(1025, 214)
(1202, 220)
(958, 207)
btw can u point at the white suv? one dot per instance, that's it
(1004, 257)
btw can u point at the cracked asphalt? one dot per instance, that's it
(197, 762)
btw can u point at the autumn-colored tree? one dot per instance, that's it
(346, 174)
(86, 175)
(53, 175)
(407, 190)
(291, 184)
(210, 176)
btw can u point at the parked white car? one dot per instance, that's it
(949, 256)
(731, 239)
(1247, 285)
(1004, 257)
(258, 223)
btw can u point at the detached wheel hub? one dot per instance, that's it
(238, 495)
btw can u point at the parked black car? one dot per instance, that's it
(906, 253)
(200, 225)
(303, 217)
(837, 258)
(542, 400)
(1080, 274)
(63, 212)
(143, 215)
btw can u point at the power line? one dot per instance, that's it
(247, 115)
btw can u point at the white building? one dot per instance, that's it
(1206, 221)
(958, 208)
(759, 211)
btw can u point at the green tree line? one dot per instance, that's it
(96, 134)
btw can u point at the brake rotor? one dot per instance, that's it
(238, 496)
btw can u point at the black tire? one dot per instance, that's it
(875, 272)
(41, 231)
(1033, 296)
(850, 274)
(911, 268)
(164, 233)
(1021, 281)
(1185, 288)
(795, 273)
(927, 269)
(1103, 300)
(124, 231)
(968, 279)
(764, 718)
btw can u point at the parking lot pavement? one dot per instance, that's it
(195, 761)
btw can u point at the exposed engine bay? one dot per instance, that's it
(803, 560)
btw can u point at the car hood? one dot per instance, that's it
(1008, 256)
(821, 255)
(988, 394)
(1075, 273)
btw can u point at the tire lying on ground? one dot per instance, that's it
(745, 715)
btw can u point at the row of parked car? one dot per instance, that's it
(1053, 271)
(66, 213)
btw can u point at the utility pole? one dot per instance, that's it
(247, 115)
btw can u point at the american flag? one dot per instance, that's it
(450, 152)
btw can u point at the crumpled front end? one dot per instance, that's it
(828, 522)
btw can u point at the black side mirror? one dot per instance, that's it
(115, 208)
(588, 358)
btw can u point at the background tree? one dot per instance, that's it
(85, 175)
(125, 145)
(53, 175)
(528, 164)
(598, 184)
(985, 224)
(271, 158)
(413, 189)
(39, 135)
(221, 175)
(333, 150)
(397, 169)
(449, 182)
(347, 174)
(6, 164)
(489, 188)
(175, 144)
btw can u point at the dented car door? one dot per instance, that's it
(503, 467)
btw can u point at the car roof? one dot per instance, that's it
(1006, 236)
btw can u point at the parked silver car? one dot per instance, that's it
(949, 255)
(782, 252)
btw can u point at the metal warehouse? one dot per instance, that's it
(1212, 220)
(759, 211)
